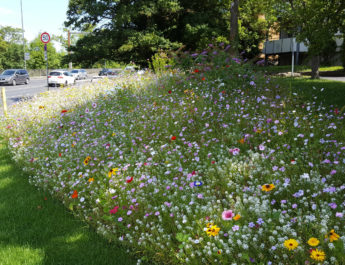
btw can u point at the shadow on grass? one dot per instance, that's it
(329, 93)
(36, 229)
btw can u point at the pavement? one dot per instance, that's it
(338, 78)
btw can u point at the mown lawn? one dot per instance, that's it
(322, 91)
(37, 229)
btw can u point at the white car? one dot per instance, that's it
(60, 78)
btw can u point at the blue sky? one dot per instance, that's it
(38, 16)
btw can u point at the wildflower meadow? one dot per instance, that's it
(208, 163)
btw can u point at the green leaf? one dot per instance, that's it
(182, 237)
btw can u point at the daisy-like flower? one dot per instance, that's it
(318, 255)
(290, 244)
(213, 230)
(332, 236)
(227, 215)
(267, 187)
(87, 160)
(112, 171)
(91, 179)
(313, 241)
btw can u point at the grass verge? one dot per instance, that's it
(327, 92)
(36, 229)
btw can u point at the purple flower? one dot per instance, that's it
(333, 172)
(120, 219)
(251, 224)
(340, 215)
(156, 213)
(294, 206)
(333, 205)
(260, 221)
(235, 228)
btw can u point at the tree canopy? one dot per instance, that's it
(314, 22)
(135, 30)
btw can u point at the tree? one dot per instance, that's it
(234, 37)
(313, 22)
(36, 49)
(12, 48)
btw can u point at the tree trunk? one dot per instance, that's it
(234, 13)
(315, 64)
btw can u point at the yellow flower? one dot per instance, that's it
(332, 236)
(318, 255)
(90, 180)
(290, 244)
(259, 131)
(237, 216)
(313, 241)
(213, 230)
(112, 171)
(267, 187)
(113, 134)
(87, 160)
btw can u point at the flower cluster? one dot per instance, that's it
(215, 166)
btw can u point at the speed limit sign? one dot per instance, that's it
(45, 37)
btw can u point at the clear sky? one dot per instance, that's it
(38, 16)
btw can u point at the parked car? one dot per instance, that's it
(61, 78)
(79, 74)
(103, 71)
(14, 77)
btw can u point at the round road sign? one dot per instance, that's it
(45, 37)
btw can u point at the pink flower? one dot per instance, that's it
(227, 215)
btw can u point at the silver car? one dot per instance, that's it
(79, 74)
(14, 77)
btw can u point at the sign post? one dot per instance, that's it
(45, 38)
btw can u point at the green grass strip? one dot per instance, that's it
(37, 229)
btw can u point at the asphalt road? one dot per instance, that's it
(36, 86)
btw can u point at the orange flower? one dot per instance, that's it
(91, 179)
(75, 194)
(237, 216)
(241, 141)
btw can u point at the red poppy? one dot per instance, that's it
(193, 173)
(196, 71)
(203, 79)
(336, 111)
(213, 162)
(64, 110)
(173, 138)
(129, 180)
(169, 91)
(75, 194)
(59, 154)
(223, 92)
(227, 65)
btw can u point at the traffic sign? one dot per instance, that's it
(45, 37)
(27, 56)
